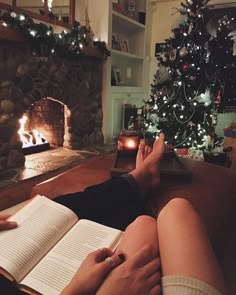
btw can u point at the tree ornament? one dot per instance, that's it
(162, 74)
(205, 97)
(192, 78)
(173, 54)
(185, 67)
(13, 14)
(173, 94)
(218, 98)
(191, 13)
(215, 119)
(163, 57)
(183, 52)
(190, 28)
(179, 73)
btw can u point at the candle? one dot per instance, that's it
(128, 141)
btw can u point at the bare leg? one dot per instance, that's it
(140, 273)
(139, 233)
(185, 249)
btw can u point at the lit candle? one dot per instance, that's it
(128, 141)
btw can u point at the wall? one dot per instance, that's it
(224, 120)
(163, 21)
(98, 24)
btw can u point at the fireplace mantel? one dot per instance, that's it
(10, 35)
(7, 34)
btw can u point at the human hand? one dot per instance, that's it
(137, 275)
(6, 224)
(92, 272)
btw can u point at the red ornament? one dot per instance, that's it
(170, 147)
(182, 152)
(218, 98)
(185, 67)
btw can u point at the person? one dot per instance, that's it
(182, 249)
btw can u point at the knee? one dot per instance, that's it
(176, 208)
(145, 220)
(142, 222)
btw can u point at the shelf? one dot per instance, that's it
(125, 88)
(127, 21)
(126, 54)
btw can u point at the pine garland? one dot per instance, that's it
(44, 42)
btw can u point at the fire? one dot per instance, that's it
(29, 138)
(131, 143)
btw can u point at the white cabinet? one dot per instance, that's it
(126, 95)
(125, 71)
(127, 49)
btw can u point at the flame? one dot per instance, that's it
(131, 143)
(29, 138)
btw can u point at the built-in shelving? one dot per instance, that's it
(126, 54)
(125, 21)
(125, 68)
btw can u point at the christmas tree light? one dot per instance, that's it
(185, 105)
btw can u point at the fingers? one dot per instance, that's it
(107, 258)
(114, 260)
(109, 262)
(4, 217)
(4, 224)
(156, 290)
(102, 254)
(154, 283)
(143, 256)
(152, 266)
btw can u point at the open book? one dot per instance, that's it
(43, 253)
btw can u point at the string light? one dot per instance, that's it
(21, 17)
(26, 26)
(33, 33)
(181, 102)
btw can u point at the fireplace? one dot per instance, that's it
(43, 126)
(61, 97)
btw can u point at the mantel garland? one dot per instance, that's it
(44, 42)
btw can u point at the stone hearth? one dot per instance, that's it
(16, 183)
(37, 85)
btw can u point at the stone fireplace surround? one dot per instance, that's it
(32, 83)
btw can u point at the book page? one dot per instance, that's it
(41, 223)
(57, 268)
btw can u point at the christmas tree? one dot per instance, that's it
(187, 92)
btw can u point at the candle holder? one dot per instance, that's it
(128, 141)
